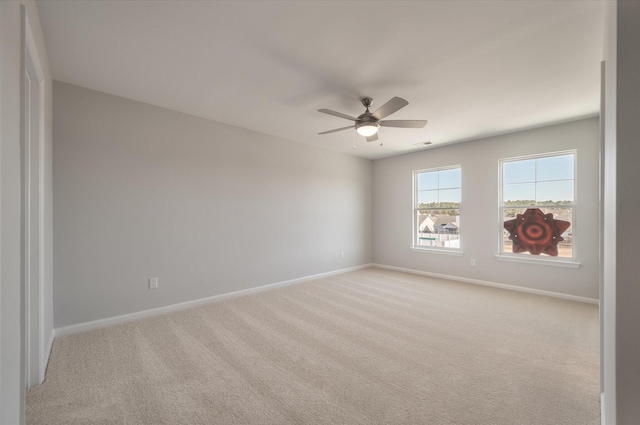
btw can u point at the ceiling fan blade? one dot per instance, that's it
(337, 129)
(390, 107)
(337, 114)
(372, 138)
(403, 123)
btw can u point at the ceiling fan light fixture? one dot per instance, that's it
(367, 129)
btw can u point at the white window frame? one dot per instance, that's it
(539, 259)
(414, 208)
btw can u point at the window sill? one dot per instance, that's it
(556, 263)
(450, 251)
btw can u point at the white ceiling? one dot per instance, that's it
(472, 68)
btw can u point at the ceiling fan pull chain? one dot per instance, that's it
(354, 141)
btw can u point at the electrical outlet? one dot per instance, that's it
(473, 262)
(153, 283)
(341, 254)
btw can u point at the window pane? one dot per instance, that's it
(438, 228)
(449, 178)
(428, 181)
(437, 196)
(556, 192)
(564, 247)
(519, 171)
(425, 224)
(428, 198)
(519, 194)
(449, 197)
(561, 213)
(555, 168)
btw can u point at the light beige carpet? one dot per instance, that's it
(367, 347)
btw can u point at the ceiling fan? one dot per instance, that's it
(368, 123)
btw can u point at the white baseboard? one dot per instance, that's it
(109, 321)
(102, 323)
(492, 284)
(47, 355)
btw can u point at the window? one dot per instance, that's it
(546, 182)
(437, 194)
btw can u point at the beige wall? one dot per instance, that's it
(392, 182)
(208, 208)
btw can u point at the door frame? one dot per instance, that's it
(34, 355)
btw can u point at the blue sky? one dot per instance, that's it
(540, 179)
(447, 181)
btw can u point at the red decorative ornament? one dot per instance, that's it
(536, 232)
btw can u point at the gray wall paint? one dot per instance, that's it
(208, 208)
(627, 206)
(392, 182)
(11, 361)
(11, 320)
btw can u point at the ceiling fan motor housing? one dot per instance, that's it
(367, 122)
(367, 125)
